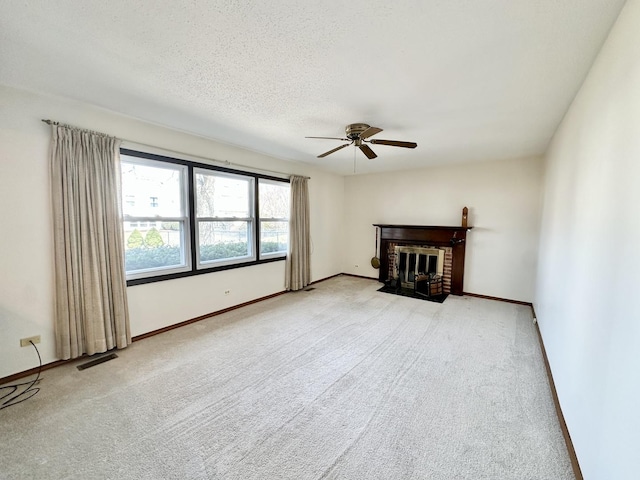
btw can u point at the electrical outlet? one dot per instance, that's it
(227, 292)
(24, 342)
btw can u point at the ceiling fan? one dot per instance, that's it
(357, 134)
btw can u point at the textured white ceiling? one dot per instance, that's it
(466, 79)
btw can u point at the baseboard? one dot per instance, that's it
(358, 276)
(220, 312)
(33, 371)
(326, 278)
(203, 317)
(57, 363)
(563, 425)
(517, 302)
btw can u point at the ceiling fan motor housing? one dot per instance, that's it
(354, 130)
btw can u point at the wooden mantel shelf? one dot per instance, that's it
(430, 227)
(437, 236)
(421, 227)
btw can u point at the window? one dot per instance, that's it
(224, 218)
(150, 251)
(274, 217)
(199, 218)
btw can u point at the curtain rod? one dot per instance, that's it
(224, 162)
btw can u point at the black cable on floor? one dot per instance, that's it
(13, 399)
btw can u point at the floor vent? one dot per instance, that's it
(97, 361)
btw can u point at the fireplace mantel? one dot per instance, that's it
(437, 236)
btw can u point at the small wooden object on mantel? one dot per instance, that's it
(465, 215)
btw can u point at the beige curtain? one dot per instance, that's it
(298, 265)
(91, 313)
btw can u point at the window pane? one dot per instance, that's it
(274, 214)
(274, 199)
(274, 236)
(222, 196)
(150, 191)
(156, 245)
(150, 248)
(223, 240)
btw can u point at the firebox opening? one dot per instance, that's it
(412, 261)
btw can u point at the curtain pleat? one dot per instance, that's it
(91, 312)
(298, 264)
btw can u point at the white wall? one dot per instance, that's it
(589, 270)
(26, 270)
(503, 198)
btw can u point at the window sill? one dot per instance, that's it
(190, 273)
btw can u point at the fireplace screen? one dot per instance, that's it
(412, 261)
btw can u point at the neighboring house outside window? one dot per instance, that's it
(148, 251)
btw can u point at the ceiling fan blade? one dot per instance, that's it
(368, 152)
(394, 143)
(332, 138)
(369, 132)
(334, 150)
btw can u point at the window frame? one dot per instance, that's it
(269, 219)
(191, 247)
(251, 220)
(143, 221)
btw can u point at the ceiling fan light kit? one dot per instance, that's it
(357, 135)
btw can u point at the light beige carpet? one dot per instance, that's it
(341, 382)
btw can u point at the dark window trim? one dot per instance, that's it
(191, 163)
(192, 219)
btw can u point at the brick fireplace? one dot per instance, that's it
(450, 240)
